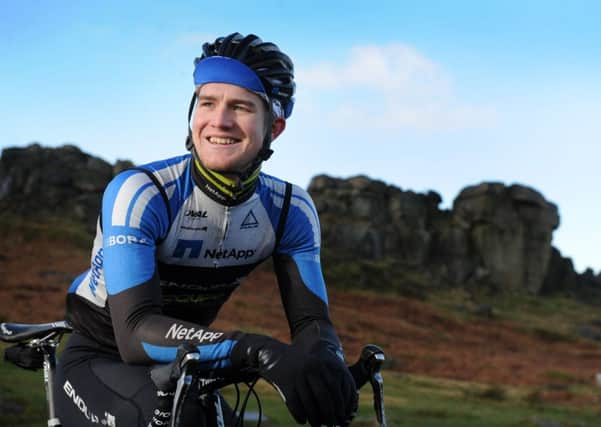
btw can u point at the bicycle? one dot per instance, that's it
(35, 347)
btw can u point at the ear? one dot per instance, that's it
(277, 127)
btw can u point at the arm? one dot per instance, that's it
(310, 374)
(298, 269)
(134, 218)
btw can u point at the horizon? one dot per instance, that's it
(437, 97)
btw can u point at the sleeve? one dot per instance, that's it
(298, 269)
(134, 218)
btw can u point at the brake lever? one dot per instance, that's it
(187, 364)
(377, 385)
(173, 382)
(369, 365)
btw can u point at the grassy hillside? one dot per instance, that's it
(455, 358)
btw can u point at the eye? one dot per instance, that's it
(241, 107)
(205, 104)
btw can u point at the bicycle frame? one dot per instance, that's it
(49, 370)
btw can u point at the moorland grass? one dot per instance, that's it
(415, 401)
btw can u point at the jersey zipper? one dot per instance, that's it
(224, 229)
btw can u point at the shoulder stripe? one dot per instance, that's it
(172, 170)
(141, 200)
(308, 211)
(126, 193)
(304, 199)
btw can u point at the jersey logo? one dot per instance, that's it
(250, 221)
(196, 214)
(236, 254)
(194, 247)
(185, 227)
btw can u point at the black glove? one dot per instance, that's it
(311, 377)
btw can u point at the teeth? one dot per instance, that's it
(221, 141)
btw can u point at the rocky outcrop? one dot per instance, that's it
(494, 235)
(374, 219)
(509, 232)
(561, 277)
(39, 181)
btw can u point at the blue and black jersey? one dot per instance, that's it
(167, 256)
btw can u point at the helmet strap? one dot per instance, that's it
(189, 143)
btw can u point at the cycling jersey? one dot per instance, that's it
(167, 255)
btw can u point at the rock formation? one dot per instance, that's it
(494, 235)
(37, 181)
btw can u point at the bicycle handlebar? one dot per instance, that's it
(184, 370)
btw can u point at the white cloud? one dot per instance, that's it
(392, 86)
(423, 117)
(395, 67)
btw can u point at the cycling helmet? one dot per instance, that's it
(273, 67)
(249, 62)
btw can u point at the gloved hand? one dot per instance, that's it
(312, 378)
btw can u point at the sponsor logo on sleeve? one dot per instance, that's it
(180, 332)
(96, 271)
(125, 239)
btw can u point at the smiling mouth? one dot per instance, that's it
(221, 141)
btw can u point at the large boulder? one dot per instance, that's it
(64, 181)
(509, 230)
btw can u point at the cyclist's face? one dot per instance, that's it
(228, 126)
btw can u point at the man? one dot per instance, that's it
(176, 237)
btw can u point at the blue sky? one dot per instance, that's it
(431, 95)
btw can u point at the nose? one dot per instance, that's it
(222, 117)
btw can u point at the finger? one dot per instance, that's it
(342, 392)
(354, 409)
(348, 407)
(294, 405)
(351, 393)
(310, 403)
(328, 396)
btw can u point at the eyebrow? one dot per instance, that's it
(249, 103)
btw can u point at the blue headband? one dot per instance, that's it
(221, 69)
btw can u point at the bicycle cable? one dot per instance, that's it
(251, 390)
(237, 388)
